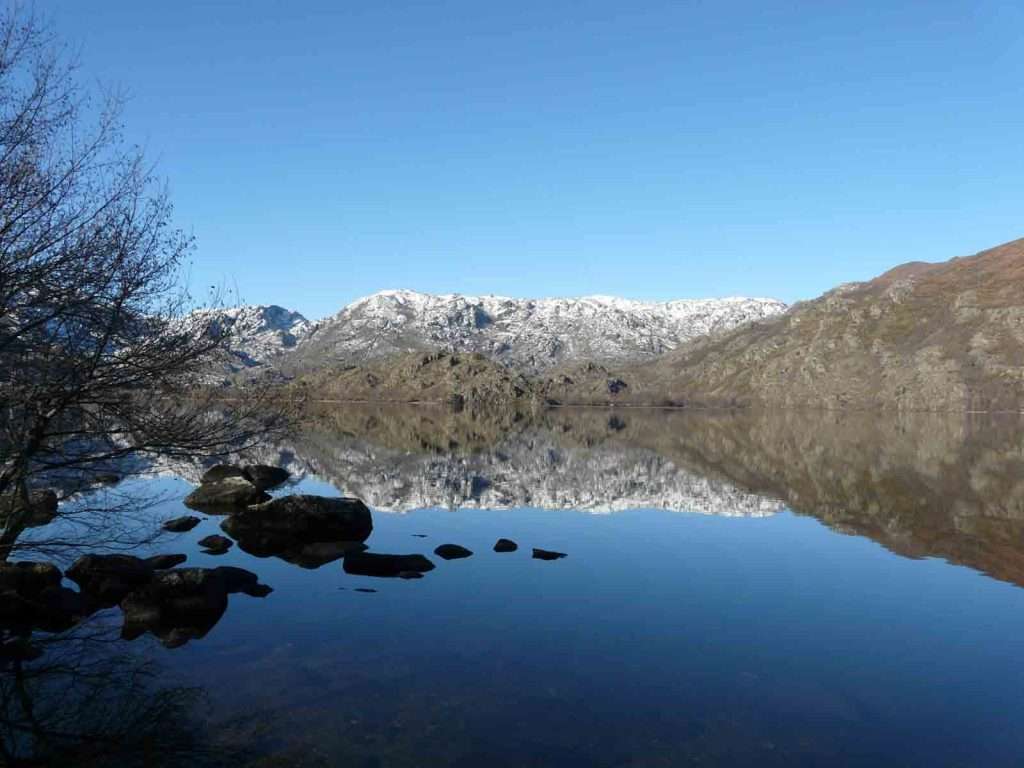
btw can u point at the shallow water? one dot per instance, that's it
(740, 589)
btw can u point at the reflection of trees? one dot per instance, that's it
(88, 701)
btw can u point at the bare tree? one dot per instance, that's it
(100, 358)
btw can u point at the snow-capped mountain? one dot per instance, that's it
(527, 334)
(259, 333)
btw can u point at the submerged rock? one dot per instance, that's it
(229, 493)
(181, 524)
(304, 551)
(164, 562)
(505, 545)
(215, 544)
(377, 564)
(264, 476)
(185, 604)
(452, 552)
(106, 579)
(545, 554)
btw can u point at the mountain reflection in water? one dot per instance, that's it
(662, 639)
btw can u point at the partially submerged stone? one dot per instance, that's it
(383, 565)
(106, 579)
(215, 544)
(505, 545)
(220, 472)
(452, 552)
(545, 554)
(181, 524)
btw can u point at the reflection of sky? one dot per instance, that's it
(741, 638)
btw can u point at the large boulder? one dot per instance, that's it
(228, 494)
(105, 579)
(318, 518)
(387, 566)
(264, 476)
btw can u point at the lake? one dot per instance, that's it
(739, 589)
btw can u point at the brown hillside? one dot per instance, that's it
(946, 336)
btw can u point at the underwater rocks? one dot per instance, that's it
(105, 579)
(215, 545)
(181, 524)
(383, 565)
(185, 604)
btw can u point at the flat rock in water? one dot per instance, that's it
(505, 545)
(377, 564)
(181, 524)
(321, 518)
(230, 493)
(452, 552)
(164, 562)
(544, 554)
(264, 476)
(221, 472)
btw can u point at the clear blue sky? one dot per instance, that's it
(320, 151)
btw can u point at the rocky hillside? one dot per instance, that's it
(946, 336)
(524, 334)
(260, 334)
(457, 379)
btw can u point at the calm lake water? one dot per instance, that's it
(747, 589)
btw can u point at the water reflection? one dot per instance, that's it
(922, 485)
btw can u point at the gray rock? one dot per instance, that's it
(229, 493)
